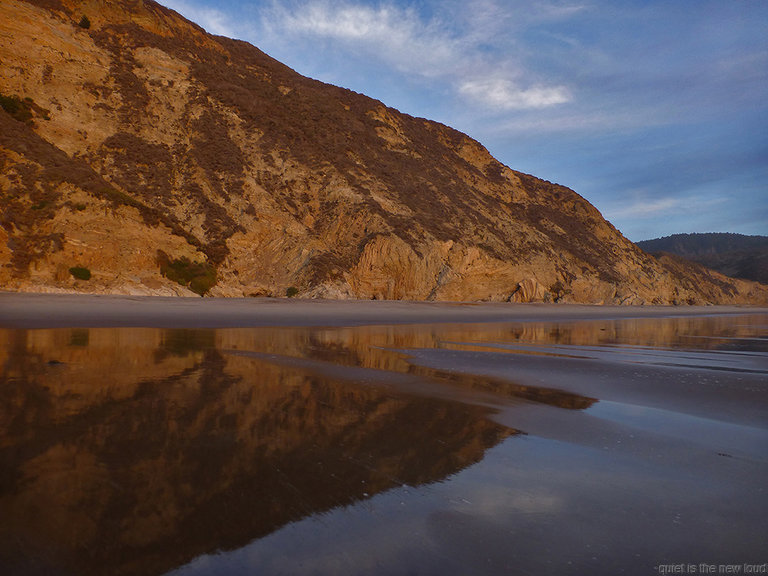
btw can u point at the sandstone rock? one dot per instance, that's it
(529, 290)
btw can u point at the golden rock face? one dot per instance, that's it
(148, 134)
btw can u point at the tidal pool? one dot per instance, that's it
(613, 446)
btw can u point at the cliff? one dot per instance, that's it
(142, 155)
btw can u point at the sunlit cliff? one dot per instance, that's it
(141, 155)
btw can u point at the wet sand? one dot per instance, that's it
(69, 310)
(203, 436)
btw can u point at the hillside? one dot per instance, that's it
(734, 255)
(141, 155)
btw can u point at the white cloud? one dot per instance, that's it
(559, 10)
(500, 16)
(642, 209)
(395, 35)
(214, 21)
(429, 49)
(503, 94)
(646, 208)
(349, 22)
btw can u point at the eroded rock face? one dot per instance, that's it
(529, 290)
(144, 133)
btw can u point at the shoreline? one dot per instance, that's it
(32, 311)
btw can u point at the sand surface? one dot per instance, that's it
(67, 310)
(143, 435)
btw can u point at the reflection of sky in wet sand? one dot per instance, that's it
(384, 449)
(531, 506)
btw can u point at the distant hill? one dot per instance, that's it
(734, 255)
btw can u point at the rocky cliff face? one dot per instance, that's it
(141, 155)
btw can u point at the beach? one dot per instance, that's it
(255, 436)
(52, 310)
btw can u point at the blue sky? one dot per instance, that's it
(654, 111)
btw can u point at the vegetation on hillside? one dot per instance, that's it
(199, 277)
(80, 272)
(19, 108)
(734, 255)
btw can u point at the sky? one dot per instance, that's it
(654, 111)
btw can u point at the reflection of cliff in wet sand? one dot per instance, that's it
(128, 459)
(135, 450)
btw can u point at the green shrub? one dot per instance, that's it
(199, 277)
(80, 273)
(84, 22)
(118, 197)
(23, 109)
(292, 291)
(18, 109)
(558, 290)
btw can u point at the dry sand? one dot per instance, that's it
(91, 311)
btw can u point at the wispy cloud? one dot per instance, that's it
(559, 10)
(351, 22)
(429, 48)
(386, 32)
(213, 20)
(646, 208)
(503, 94)
(669, 205)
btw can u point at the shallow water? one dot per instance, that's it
(600, 447)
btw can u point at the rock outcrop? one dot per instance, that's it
(164, 160)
